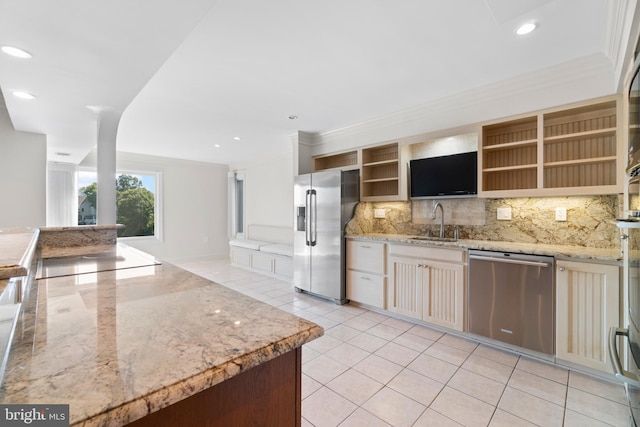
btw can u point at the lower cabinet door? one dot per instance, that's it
(587, 306)
(366, 288)
(405, 286)
(443, 294)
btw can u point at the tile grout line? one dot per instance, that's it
(251, 283)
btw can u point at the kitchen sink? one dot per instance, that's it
(434, 238)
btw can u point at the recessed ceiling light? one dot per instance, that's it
(237, 138)
(17, 52)
(525, 28)
(216, 145)
(23, 95)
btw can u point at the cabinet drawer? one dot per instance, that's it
(262, 262)
(366, 288)
(241, 256)
(283, 266)
(428, 252)
(366, 256)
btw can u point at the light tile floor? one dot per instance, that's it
(371, 369)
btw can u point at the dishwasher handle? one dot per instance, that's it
(510, 261)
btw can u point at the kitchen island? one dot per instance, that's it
(155, 345)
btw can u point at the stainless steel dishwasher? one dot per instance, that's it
(511, 298)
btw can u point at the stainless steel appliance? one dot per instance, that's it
(324, 203)
(626, 368)
(511, 298)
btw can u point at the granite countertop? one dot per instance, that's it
(118, 345)
(578, 253)
(17, 246)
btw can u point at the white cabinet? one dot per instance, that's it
(366, 273)
(562, 151)
(405, 290)
(587, 306)
(427, 284)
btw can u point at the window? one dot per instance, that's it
(137, 204)
(236, 205)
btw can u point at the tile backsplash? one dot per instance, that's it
(589, 219)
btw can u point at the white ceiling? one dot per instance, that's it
(189, 74)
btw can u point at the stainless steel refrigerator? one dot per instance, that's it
(324, 203)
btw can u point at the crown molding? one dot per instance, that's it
(577, 80)
(617, 45)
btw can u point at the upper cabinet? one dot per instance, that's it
(383, 170)
(346, 160)
(509, 156)
(569, 151)
(383, 174)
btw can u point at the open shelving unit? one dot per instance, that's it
(382, 170)
(346, 160)
(568, 151)
(580, 147)
(510, 155)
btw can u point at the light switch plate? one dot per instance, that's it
(561, 214)
(379, 213)
(504, 214)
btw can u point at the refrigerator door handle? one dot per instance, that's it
(314, 217)
(307, 228)
(619, 372)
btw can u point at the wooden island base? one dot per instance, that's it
(266, 395)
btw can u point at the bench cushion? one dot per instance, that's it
(248, 244)
(277, 249)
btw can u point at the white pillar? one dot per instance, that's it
(108, 121)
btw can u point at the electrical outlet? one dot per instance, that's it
(561, 214)
(379, 213)
(504, 214)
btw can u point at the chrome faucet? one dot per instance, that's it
(433, 216)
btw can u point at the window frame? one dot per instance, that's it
(158, 217)
(237, 203)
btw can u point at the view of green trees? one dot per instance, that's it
(134, 205)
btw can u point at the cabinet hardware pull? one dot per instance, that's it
(561, 269)
(365, 278)
(365, 246)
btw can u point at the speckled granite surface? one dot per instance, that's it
(78, 240)
(577, 253)
(17, 247)
(590, 220)
(117, 345)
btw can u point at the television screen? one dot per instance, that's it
(455, 175)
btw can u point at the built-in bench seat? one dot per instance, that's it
(268, 251)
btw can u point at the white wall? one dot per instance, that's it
(23, 167)
(194, 207)
(269, 191)
(62, 199)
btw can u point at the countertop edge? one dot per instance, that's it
(575, 253)
(22, 267)
(183, 389)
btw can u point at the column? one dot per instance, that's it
(108, 121)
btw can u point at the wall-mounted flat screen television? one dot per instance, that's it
(451, 176)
